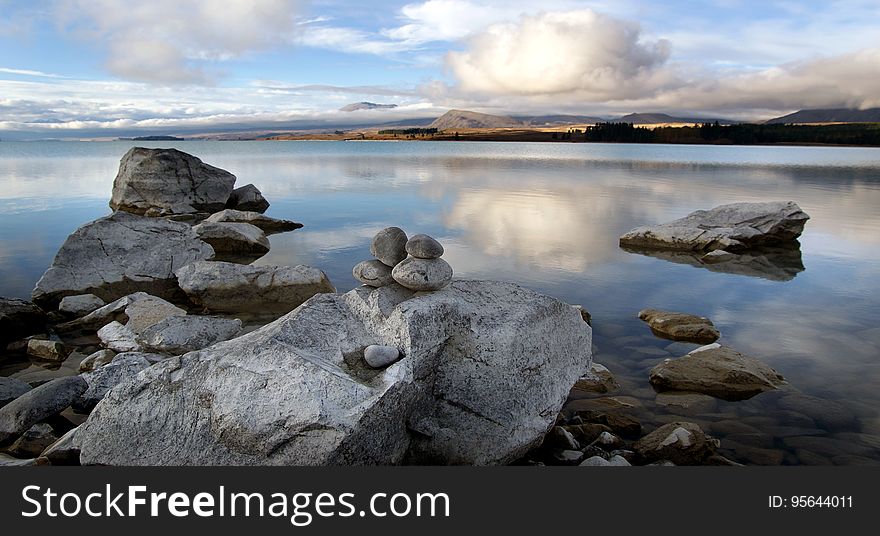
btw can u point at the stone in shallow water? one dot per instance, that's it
(682, 443)
(684, 403)
(235, 239)
(680, 326)
(378, 356)
(423, 274)
(598, 380)
(422, 246)
(247, 198)
(80, 305)
(267, 224)
(389, 246)
(373, 273)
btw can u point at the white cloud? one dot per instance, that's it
(27, 72)
(167, 41)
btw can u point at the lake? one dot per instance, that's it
(548, 216)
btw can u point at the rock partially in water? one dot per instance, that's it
(372, 273)
(680, 326)
(178, 335)
(235, 288)
(682, 443)
(248, 198)
(165, 178)
(118, 255)
(422, 274)
(124, 368)
(378, 356)
(47, 350)
(267, 224)
(560, 438)
(422, 246)
(732, 227)
(488, 367)
(11, 388)
(684, 403)
(828, 414)
(96, 360)
(33, 441)
(598, 380)
(389, 246)
(38, 404)
(234, 241)
(18, 319)
(717, 371)
(80, 305)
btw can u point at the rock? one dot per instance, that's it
(607, 441)
(566, 457)
(422, 246)
(178, 335)
(585, 434)
(80, 305)
(235, 288)
(488, 367)
(33, 441)
(598, 461)
(11, 388)
(618, 423)
(389, 246)
(560, 438)
(118, 255)
(751, 454)
(233, 240)
(604, 404)
(717, 371)
(682, 443)
(598, 380)
(680, 326)
(8, 461)
(166, 178)
(64, 451)
(267, 224)
(18, 319)
(372, 273)
(96, 360)
(684, 403)
(588, 318)
(380, 356)
(422, 274)
(48, 350)
(732, 227)
(828, 414)
(125, 367)
(247, 198)
(37, 404)
(118, 338)
(147, 311)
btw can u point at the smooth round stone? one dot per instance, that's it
(373, 273)
(423, 274)
(423, 246)
(380, 356)
(389, 246)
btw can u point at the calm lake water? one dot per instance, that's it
(548, 216)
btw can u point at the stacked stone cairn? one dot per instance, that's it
(413, 263)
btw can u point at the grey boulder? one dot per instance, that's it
(267, 224)
(423, 274)
(123, 368)
(486, 370)
(166, 178)
(732, 227)
(120, 254)
(178, 335)
(80, 305)
(37, 404)
(372, 273)
(235, 288)
(11, 388)
(389, 246)
(248, 198)
(680, 326)
(18, 319)
(233, 241)
(423, 246)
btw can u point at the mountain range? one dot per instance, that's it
(834, 115)
(365, 106)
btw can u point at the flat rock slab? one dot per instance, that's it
(37, 404)
(267, 224)
(169, 179)
(487, 367)
(236, 288)
(680, 326)
(118, 255)
(732, 227)
(716, 371)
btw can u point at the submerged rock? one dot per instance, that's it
(120, 254)
(680, 326)
(234, 240)
(37, 404)
(389, 246)
(80, 305)
(18, 319)
(165, 178)
(598, 380)
(486, 370)
(732, 227)
(237, 288)
(422, 274)
(372, 273)
(717, 371)
(682, 443)
(267, 224)
(248, 198)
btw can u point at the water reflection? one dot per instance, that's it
(778, 263)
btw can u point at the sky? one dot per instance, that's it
(89, 68)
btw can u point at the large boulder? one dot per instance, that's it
(18, 319)
(486, 368)
(247, 198)
(120, 254)
(166, 178)
(235, 288)
(267, 224)
(716, 371)
(733, 227)
(37, 404)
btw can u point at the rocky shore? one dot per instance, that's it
(151, 310)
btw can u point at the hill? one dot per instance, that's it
(466, 119)
(558, 119)
(353, 107)
(658, 118)
(836, 115)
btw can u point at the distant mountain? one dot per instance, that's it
(355, 106)
(153, 138)
(837, 115)
(655, 118)
(466, 119)
(559, 119)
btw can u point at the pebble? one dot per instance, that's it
(389, 246)
(378, 356)
(373, 273)
(422, 246)
(423, 274)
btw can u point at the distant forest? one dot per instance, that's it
(741, 134)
